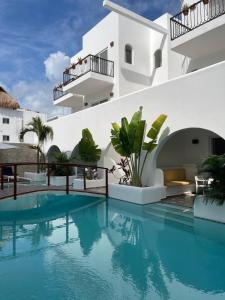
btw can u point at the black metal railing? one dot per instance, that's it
(90, 63)
(58, 92)
(195, 15)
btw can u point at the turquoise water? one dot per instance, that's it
(81, 247)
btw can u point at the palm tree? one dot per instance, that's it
(43, 133)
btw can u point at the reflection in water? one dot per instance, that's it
(86, 248)
(88, 228)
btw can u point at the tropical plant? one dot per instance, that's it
(215, 166)
(88, 150)
(129, 141)
(124, 166)
(185, 9)
(61, 170)
(43, 133)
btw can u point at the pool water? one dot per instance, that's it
(54, 246)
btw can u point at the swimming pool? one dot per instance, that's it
(54, 246)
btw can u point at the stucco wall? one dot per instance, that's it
(193, 100)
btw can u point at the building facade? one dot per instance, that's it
(13, 119)
(173, 65)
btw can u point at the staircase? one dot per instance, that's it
(173, 214)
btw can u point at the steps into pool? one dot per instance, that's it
(172, 213)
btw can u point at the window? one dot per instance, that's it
(218, 146)
(158, 58)
(5, 138)
(5, 120)
(128, 54)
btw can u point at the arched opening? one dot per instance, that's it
(52, 151)
(128, 54)
(180, 157)
(158, 58)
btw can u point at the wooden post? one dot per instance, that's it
(106, 183)
(67, 180)
(49, 171)
(84, 177)
(2, 178)
(15, 181)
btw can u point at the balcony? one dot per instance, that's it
(89, 76)
(67, 99)
(199, 30)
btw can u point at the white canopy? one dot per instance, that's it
(4, 146)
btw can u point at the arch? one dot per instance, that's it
(51, 153)
(184, 149)
(128, 54)
(158, 58)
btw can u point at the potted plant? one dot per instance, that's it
(80, 61)
(43, 133)
(89, 154)
(211, 204)
(185, 9)
(129, 142)
(59, 172)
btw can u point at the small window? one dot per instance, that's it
(158, 58)
(5, 120)
(5, 138)
(128, 54)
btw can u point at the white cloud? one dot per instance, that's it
(55, 65)
(38, 95)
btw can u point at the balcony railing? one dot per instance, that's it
(196, 15)
(90, 63)
(58, 92)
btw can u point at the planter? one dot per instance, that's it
(78, 184)
(185, 12)
(138, 195)
(60, 180)
(33, 176)
(209, 211)
(205, 2)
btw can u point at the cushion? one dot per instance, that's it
(174, 175)
(178, 183)
(8, 171)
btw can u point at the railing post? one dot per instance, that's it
(67, 180)
(84, 177)
(106, 183)
(15, 181)
(49, 171)
(2, 178)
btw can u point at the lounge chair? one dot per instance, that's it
(9, 175)
(202, 182)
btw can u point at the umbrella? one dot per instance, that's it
(4, 146)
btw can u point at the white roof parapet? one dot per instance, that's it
(129, 14)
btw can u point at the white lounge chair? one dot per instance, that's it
(9, 176)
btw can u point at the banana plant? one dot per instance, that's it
(128, 141)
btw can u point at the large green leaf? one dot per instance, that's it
(156, 126)
(139, 137)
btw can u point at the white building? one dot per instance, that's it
(173, 65)
(13, 119)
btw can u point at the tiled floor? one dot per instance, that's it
(182, 200)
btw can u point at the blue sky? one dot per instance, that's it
(39, 36)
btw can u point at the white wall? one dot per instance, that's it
(193, 100)
(179, 150)
(17, 120)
